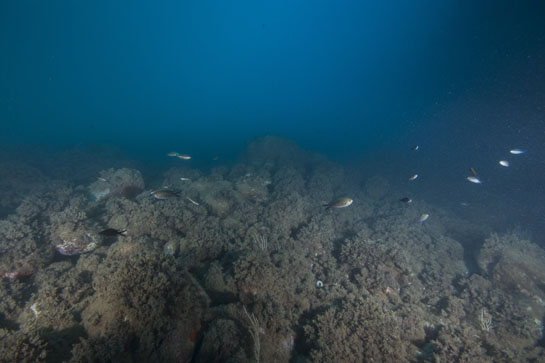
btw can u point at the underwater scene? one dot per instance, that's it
(272, 181)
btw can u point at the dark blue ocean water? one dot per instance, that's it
(360, 82)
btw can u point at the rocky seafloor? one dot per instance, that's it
(257, 271)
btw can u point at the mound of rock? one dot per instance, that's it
(273, 151)
(124, 182)
(514, 264)
(145, 297)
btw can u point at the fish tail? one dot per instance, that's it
(123, 233)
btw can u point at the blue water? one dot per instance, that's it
(358, 81)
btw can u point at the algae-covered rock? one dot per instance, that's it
(16, 346)
(223, 341)
(144, 295)
(364, 283)
(124, 182)
(514, 264)
(357, 331)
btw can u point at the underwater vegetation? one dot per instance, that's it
(243, 263)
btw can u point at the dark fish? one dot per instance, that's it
(110, 232)
(406, 200)
(415, 148)
(165, 194)
(473, 172)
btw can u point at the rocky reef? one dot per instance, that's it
(246, 265)
(124, 182)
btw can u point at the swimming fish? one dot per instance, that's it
(165, 194)
(517, 151)
(339, 203)
(185, 179)
(192, 201)
(183, 156)
(474, 179)
(102, 179)
(415, 148)
(406, 200)
(423, 217)
(472, 171)
(110, 232)
(413, 177)
(172, 153)
(504, 163)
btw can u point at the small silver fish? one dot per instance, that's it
(474, 179)
(192, 201)
(172, 153)
(185, 179)
(415, 148)
(35, 310)
(183, 156)
(423, 217)
(339, 203)
(464, 204)
(504, 163)
(102, 179)
(413, 177)
(517, 151)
